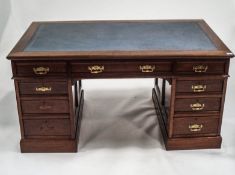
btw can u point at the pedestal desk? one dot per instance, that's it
(52, 58)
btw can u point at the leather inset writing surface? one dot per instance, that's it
(118, 36)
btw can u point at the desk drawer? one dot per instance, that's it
(40, 69)
(195, 126)
(41, 87)
(197, 104)
(47, 127)
(199, 86)
(105, 68)
(44, 106)
(201, 67)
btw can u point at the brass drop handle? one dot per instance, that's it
(199, 88)
(147, 68)
(200, 68)
(43, 89)
(44, 107)
(197, 106)
(46, 126)
(195, 127)
(41, 70)
(96, 69)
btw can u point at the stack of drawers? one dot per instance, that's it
(43, 97)
(192, 116)
(197, 107)
(198, 99)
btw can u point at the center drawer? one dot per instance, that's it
(100, 69)
(45, 106)
(198, 104)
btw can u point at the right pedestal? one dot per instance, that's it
(189, 111)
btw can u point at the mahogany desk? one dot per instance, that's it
(52, 58)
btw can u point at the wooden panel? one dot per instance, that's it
(48, 145)
(200, 67)
(44, 106)
(195, 126)
(40, 69)
(43, 87)
(47, 127)
(45, 116)
(197, 104)
(185, 143)
(199, 86)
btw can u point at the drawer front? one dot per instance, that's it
(197, 104)
(199, 86)
(104, 68)
(42, 87)
(44, 106)
(40, 69)
(47, 127)
(201, 67)
(195, 126)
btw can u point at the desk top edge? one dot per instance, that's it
(18, 52)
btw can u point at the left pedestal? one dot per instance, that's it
(49, 109)
(50, 143)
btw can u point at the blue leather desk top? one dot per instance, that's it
(119, 36)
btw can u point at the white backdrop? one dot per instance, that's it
(124, 139)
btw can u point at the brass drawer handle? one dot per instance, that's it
(197, 106)
(41, 70)
(195, 127)
(200, 68)
(43, 89)
(147, 68)
(46, 126)
(199, 88)
(45, 107)
(96, 69)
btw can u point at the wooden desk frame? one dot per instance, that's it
(46, 79)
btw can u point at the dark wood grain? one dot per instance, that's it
(45, 116)
(172, 108)
(210, 104)
(44, 106)
(222, 104)
(20, 114)
(209, 126)
(183, 143)
(194, 143)
(47, 127)
(213, 67)
(210, 86)
(59, 144)
(120, 69)
(36, 87)
(27, 68)
(48, 145)
(72, 109)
